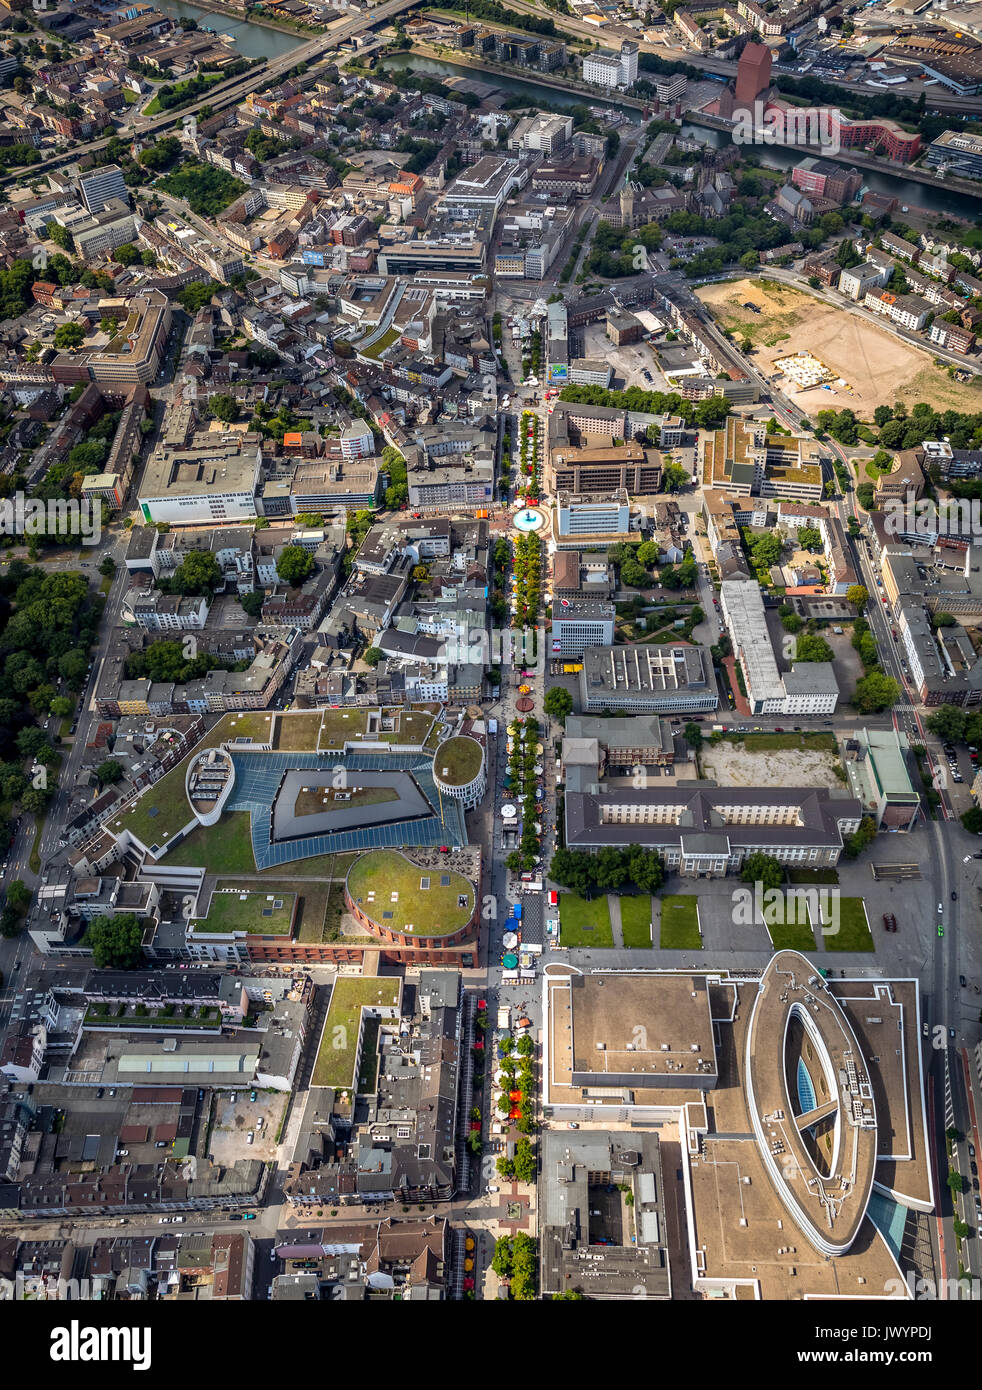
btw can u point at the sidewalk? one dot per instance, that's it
(614, 904)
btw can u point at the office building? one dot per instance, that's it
(704, 831)
(879, 775)
(607, 69)
(648, 679)
(957, 151)
(578, 624)
(98, 186)
(711, 1053)
(808, 688)
(577, 516)
(212, 479)
(601, 469)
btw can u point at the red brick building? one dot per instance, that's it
(753, 74)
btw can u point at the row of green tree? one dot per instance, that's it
(707, 415)
(610, 870)
(515, 1258)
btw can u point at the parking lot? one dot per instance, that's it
(233, 1118)
(629, 362)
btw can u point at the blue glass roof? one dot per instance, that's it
(257, 776)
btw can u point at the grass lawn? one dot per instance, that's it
(385, 341)
(268, 912)
(680, 923)
(199, 1017)
(34, 859)
(583, 923)
(795, 936)
(763, 743)
(337, 725)
(854, 933)
(335, 1065)
(636, 919)
(813, 875)
(413, 726)
(408, 898)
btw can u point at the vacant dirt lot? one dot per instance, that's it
(878, 367)
(731, 765)
(234, 1119)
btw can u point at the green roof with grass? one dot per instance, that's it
(385, 340)
(336, 1056)
(340, 726)
(164, 810)
(298, 732)
(401, 896)
(458, 761)
(268, 912)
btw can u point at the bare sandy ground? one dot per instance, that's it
(731, 765)
(877, 368)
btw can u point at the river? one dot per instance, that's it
(932, 198)
(526, 87)
(251, 40)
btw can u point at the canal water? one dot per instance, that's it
(525, 87)
(933, 198)
(251, 40)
